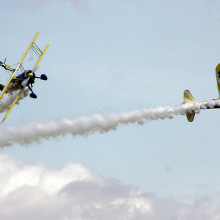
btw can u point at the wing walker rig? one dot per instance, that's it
(19, 82)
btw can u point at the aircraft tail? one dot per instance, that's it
(188, 98)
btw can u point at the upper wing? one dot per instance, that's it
(18, 66)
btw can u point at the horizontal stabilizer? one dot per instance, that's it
(188, 98)
(190, 116)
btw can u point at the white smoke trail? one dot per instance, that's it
(8, 99)
(35, 132)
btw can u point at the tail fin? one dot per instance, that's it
(188, 98)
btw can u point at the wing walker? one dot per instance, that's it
(19, 82)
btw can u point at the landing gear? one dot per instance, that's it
(33, 95)
(43, 77)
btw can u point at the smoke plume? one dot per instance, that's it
(35, 132)
(8, 99)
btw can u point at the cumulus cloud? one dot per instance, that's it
(35, 191)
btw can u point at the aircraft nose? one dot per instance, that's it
(31, 75)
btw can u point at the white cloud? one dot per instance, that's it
(35, 191)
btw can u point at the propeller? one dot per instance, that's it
(30, 81)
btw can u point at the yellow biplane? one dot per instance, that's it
(18, 82)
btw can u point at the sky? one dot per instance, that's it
(110, 57)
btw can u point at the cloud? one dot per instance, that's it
(35, 191)
(74, 192)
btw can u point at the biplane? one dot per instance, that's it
(21, 77)
(208, 104)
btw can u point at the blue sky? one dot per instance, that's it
(113, 56)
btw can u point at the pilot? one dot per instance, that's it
(6, 67)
